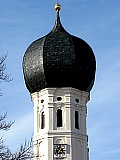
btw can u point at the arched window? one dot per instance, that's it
(42, 120)
(76, 120)
(59, 118)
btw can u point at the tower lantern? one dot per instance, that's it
(59, 72)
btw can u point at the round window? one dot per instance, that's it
(77, 100)
(59, 98)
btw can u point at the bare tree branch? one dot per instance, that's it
(3, 124)
(5, 153)
(25, 152)
(3, 76)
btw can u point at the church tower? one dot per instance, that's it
(59, 72)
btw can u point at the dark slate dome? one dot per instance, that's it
(59, 60)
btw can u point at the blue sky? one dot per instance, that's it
(98, 23)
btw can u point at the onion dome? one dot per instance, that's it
(59, 59)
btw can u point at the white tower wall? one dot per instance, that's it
(47, 135)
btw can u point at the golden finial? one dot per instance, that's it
(57, 6)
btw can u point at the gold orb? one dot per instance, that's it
(57, 7)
